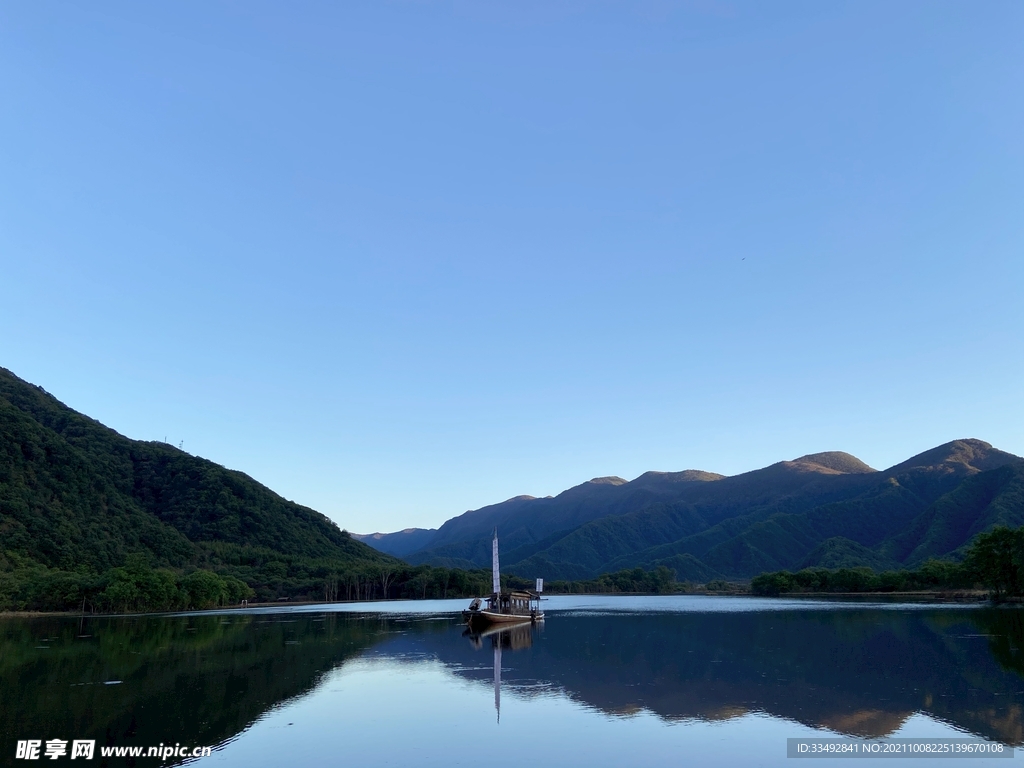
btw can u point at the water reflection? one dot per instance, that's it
(205, 679)
(861, 672)
(514, 638)
(198, 680)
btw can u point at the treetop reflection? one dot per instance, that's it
(860, 672)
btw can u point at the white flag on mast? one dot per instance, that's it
(495, 576)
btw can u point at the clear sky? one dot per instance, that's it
(397, 260)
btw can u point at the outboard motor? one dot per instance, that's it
(475, 605)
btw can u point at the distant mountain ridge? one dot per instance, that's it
(399, 543)
(825, 509)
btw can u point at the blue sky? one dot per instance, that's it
(397, 260)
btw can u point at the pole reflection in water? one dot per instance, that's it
(514, 638)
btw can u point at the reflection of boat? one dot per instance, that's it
(503, 607)
(514, 638)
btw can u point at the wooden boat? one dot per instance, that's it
(504, 608)
(509, 607)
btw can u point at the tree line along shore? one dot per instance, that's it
(993, 564)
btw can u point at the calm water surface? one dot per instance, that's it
(606, 681)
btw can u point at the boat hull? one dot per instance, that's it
(486, 618)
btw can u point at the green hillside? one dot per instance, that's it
(78, 501)
(981, 502)
(837, 552)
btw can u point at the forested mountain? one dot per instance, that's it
(77, 497)
(88, 514)
(824, 509)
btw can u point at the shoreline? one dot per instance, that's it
(939, 597)
(217, 609)
(945, 596)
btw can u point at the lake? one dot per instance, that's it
(605, 681)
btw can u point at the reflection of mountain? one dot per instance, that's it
(202, 680)
(861, 672)
(198, 680)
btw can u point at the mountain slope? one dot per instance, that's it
(700, 515)
(525, 520)
(820, 508)
(58, 508)
(781, 531)
(838, 552)
(982, 501)
(74, 493)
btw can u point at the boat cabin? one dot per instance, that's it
(514, 603)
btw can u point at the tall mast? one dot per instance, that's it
(495, 575)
